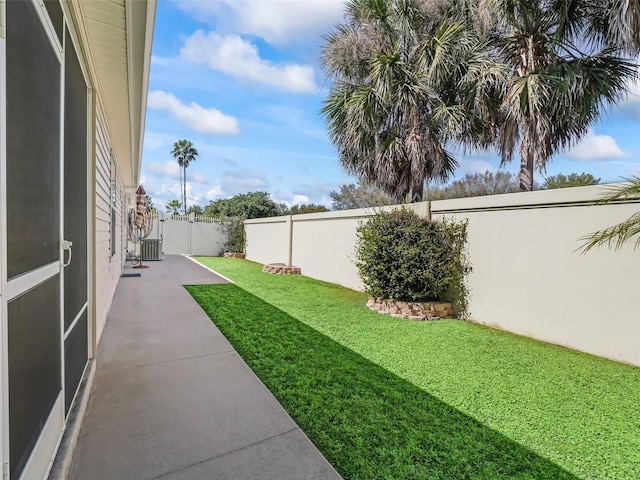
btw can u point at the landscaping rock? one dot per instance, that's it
(234, 255)
(417, 311)
(281, 269)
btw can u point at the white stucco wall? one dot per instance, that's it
(527, 277)
(206, 238)
(267, 240)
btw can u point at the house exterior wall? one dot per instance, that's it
(71, 41)
(527, 276)
(108, 266)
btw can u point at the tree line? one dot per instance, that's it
(349, 196)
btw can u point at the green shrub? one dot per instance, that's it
(402, 256)
(234, 229)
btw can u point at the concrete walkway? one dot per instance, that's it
(172, 399)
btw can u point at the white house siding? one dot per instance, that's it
(108, 268)
(112, 42)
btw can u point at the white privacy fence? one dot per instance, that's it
(527, 276)
(188, 234)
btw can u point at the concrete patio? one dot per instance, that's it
(172, 399)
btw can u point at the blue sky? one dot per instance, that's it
(241, 79)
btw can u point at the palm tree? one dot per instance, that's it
(395, 102)
(559, 76)
(173, 207)
(617, 235)
(617, 22)
(185, 153)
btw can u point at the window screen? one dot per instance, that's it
(34, 366)
(75, 183)
(33, 142)
(75, 359)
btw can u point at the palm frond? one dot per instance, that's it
(629, 190)
(617, 235)
(614, 237)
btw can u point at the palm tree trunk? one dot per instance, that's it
(181, 195)
(184, 189)
(526, 166)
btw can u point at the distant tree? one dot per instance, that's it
(185, 153)
(359, 196)
(150, 207)
(196, 209)
(476, 185)
(247, 205)
(283, 208)
(173, 207)
(306, 208)
(571, 180)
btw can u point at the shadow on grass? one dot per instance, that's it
(368, 422)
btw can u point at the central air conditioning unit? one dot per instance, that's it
(152, 249)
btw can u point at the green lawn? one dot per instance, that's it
(390, 398)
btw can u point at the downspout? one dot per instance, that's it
(91, 234)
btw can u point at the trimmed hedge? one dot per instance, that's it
(402, 256)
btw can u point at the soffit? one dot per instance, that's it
(119, 35)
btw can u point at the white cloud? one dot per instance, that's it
(197, 177)
(279, 22)
(300, 199)
(326, 201)
(171, 169)
(596, 147)
(195, 198)
(243, 181)
(205, 120)
(160, 61)
(213, 193)
(632, 103)
(239, 58)
(474, 165)
(164, 169)
(165, 193)
(156, 140)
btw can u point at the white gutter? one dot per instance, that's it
(148, 44)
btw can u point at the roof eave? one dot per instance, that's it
(140, 22)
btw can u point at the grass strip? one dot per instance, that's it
(580, 411)
(368, 422)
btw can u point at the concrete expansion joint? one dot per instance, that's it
(231, 350)
(227, 453)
